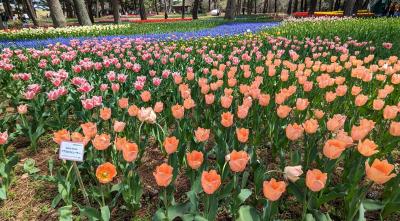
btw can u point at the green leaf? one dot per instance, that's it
(65, 213)
(105, 213)
(390, 208)
(248, 213)
(116, 187)
(178, 210)
(55, 201)
(372, 205)
(361, 212)
(3, 193)
(309, 217)
(29, 166)
(159, 215)
(244, 194)
(90, 213)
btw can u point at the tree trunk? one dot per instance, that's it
(1, 23)
(142, 10)
(365, 5)
(265, 6)
(337, 5)
(81, 12)
(255, 6)
(155, 6)
(183, 9)
(276, 6)
(195, 9)
(230, 9)
(115, 9)
(238, 7)
(289, 9)
(331, 5)
(7, 7)
(209, 5)
(348, 8)
(89, 7)
(249, 6)
(358, 5)
(56, 13)
(320, 5)
(296, 5)
(31, 12)
(305, 5)
(313, 6)
(165, 9)
(302, 5)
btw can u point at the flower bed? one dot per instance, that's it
(257, 126)
(107, 29)
(331, 14)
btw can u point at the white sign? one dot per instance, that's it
(71, 151)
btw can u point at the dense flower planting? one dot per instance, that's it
(256, 124)
(106, 30)
(220, 30)
(360, 13)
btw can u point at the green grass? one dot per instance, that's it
(377, 30)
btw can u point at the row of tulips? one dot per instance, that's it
(107, 29)
(255, 123)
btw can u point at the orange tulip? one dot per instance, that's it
(194, 159)
(336, 122)
(319, 114)
(263, 99)
(105, 113)
(302, 104)
(178, 111)
(226, 119)
(78, 137)
(283, 111)
(380, 171)
(238, 160)
(163, 175)
(159, 107)
(210, 181)
(273, 189)
(202, 134)
(145, 96)
(394, 129)
(61, 135)
(120, 142)
(133, 110)
(171, 144)
(390, 112)
(106, 172)
(89, 129)
(101, 142)
(123, 103)
(333, 148)
(294, 131)
(130, 152)
(316, 180)
(367, 148)
(310, 126)
(189, 103)
(119, 126)
(242, 134)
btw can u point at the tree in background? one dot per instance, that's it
(195, 9)
(115, 8)
(28, 6)
(230, 9)
(56, 13)
(313, 7)
(289, 9)
(81, 13)
(142, 10)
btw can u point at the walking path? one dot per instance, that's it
(221, 30)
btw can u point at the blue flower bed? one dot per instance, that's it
(222, 30)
